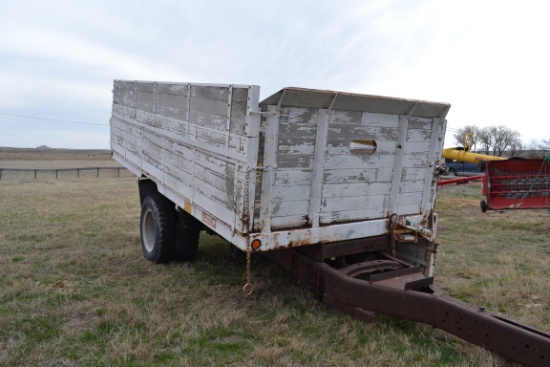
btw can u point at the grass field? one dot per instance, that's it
(75, 289)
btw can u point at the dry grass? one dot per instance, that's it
(497, 259)
(76, 291)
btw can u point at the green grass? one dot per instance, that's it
(75, 289)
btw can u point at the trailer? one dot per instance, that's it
(339, 188)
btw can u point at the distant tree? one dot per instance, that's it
(495, 140)
(463, 131)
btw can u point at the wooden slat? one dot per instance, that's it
(290, 208)
(358, 175)
(343, 190)
(292, 177)
(352, 203)
(352, 215)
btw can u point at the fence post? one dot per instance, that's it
(35, 173)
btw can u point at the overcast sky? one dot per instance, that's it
(489, 59)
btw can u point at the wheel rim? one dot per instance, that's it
(149, 230)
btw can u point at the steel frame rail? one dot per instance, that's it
(427, 304)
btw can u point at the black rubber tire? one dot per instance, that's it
(157, 228)
(188, 231)
(483, 206)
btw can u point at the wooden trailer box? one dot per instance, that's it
(301, 167)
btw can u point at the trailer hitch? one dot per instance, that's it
(397, 290)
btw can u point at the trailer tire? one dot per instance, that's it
(157, 229)
(187, 237)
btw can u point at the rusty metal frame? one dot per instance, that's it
(416, 300)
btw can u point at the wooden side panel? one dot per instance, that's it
(294, 157)
(190, 138)
(356, 183)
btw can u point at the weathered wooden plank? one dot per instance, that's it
(147, 87)
(215, 139)
(145, 118)
(215, 209)
(380, 120)
(348, 118)
(294, 160)
(296, 146)
(289, 208)
(302, 116)
(240, 94)
(412, 186)
(181, 184)
(293, 221)
(145, 101)
(178, 127)
(116, 123)
(133, 157)
(352, 215)
(292, 177)
(417, 147)
(291, 192)
(178, 162)
(342, 190)
(180, 149)
(409, 198)
(419, 135)
(352, 203)
(213, 192)
(213, 179)
(126, 98)
(178, 174)
(134, 137)
(412, 174)
(357, 161)
(119, 110)
(210, 92)
(421, 123)
(209, 120)
(344, 134)
(173, 106)
(238, 116)
(173, 89)
(203, 106)
(214, 164)
(357, 175)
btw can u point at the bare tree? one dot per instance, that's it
(485, 139)
(462, 132)
(496, 140)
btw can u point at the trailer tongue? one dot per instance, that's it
(388, 286)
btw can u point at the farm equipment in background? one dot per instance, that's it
(516, 184)
(507, 183)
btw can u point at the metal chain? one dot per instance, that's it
(248, 288)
